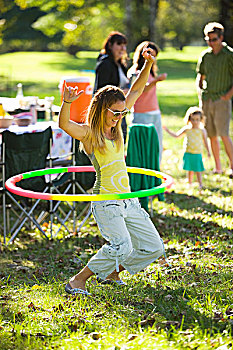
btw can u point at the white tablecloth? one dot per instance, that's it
(62, 142)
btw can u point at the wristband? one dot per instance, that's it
(67, 102)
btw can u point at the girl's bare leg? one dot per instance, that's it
(79, 280)
(190, 177)
(199, 178)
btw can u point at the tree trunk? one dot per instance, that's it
(226, 19)
(152, 19)
(128, 23)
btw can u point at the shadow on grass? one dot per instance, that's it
(222, 192)
(189, 202)
(194, 230)
(178, 69)
(60, 259)
(139, 304)
(175, 68)
(48, 259)
(163, 307)
(171, 308)
(176, 105)
(75, 65)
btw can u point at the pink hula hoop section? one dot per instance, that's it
(10, 184)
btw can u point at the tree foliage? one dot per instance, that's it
(16, 28)
(81, 24)
(84, 24)
(180, 22)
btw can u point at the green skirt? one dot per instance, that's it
(193, 162)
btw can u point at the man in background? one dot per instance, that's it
(215, 81)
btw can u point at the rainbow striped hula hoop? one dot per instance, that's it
(167, 181)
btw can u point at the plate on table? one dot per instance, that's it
(23, 119)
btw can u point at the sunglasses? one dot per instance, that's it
(211, 40)
(195, 119)
(117, 113)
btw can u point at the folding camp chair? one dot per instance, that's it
(75, 183)
(143, 152)
(26, 152)
(22, 153)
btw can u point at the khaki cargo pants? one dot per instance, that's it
(132, 239)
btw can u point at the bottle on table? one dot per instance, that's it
(19, 95)
(48, 108)
(33, 111)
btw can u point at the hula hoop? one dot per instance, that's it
(11, 185)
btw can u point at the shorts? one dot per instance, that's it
(193, 162)
(132, 239)
(218, 115)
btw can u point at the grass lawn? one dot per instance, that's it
(41, 72)
(188, 305)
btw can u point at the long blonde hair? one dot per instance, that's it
(103, 99)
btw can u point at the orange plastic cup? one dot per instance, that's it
(78, 109)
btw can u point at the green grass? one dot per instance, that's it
(178, 91)
(40, 73)
(188, 305)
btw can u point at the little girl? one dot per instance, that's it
(195, 137)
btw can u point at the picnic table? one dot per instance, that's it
(62, 142)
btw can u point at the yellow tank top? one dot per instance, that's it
(193, 141)
(111, 173)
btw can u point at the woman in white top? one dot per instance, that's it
(111, 66)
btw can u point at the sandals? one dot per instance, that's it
(111, 282)
(75, 291)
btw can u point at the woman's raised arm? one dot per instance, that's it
(138, 85)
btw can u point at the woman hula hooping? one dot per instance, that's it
(132, 240)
